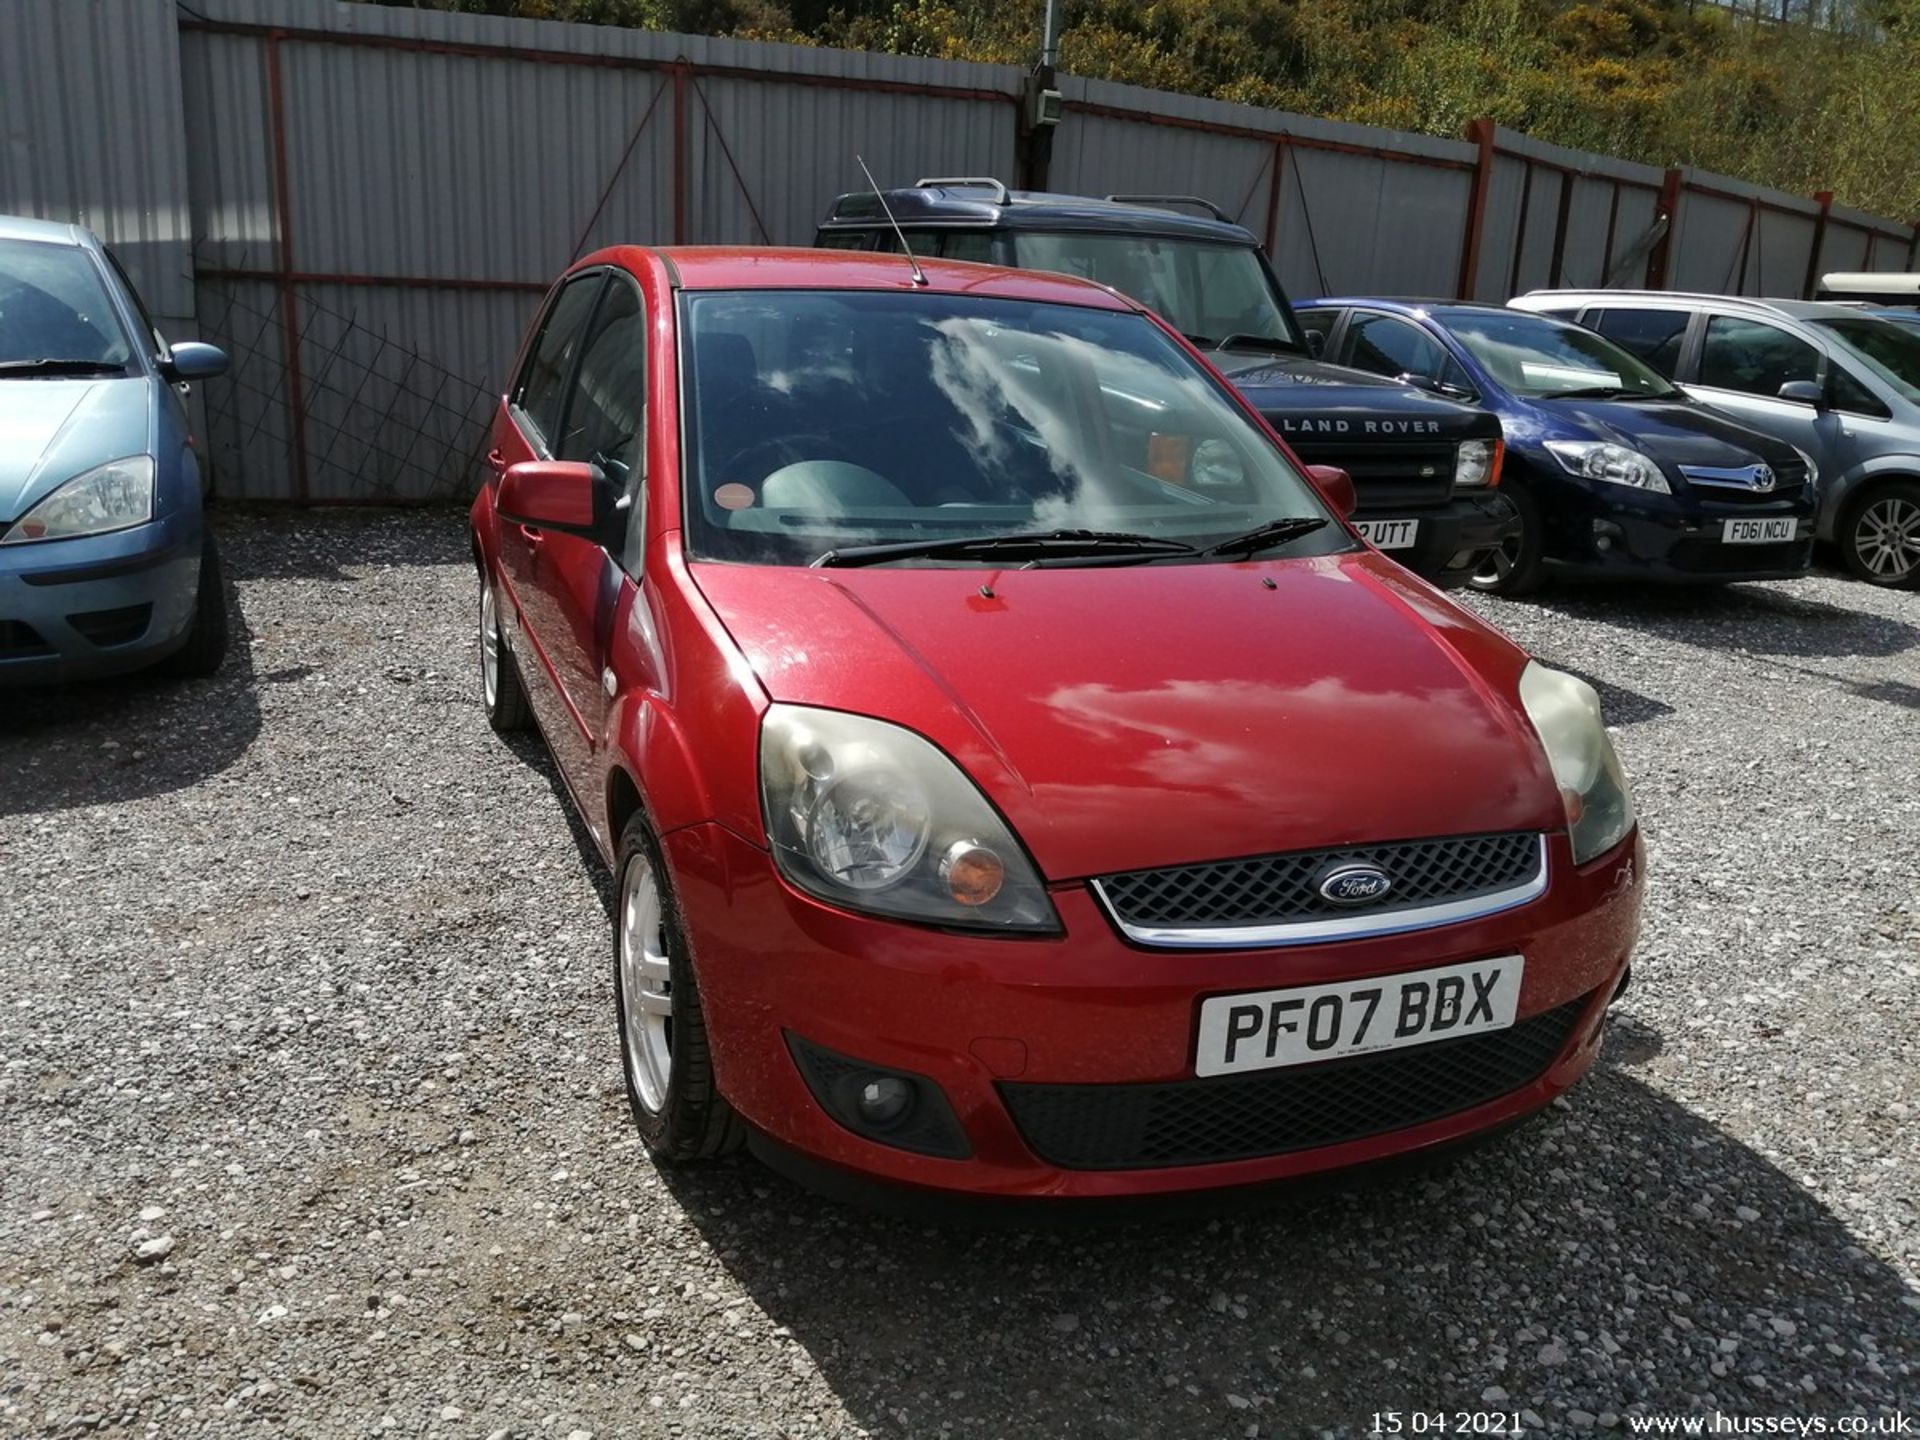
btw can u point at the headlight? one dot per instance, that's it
(1566, 715)
(114, 496)
(872, 817)
(1215, 464)
(1615, 464)
(1476, 463)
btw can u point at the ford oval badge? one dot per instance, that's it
(1355, 885)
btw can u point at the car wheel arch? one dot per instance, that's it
(651, 770)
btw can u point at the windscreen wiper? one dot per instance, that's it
(1273, 344)
(1034, 545)
(60, 367)
(1589, 392)
(1265, 537)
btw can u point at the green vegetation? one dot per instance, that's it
(1797, 105)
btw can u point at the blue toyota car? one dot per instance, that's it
(1611, 469)
(106, 564)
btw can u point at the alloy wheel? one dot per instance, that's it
(646, 984)
(1887, 538)
(489, 645)
(1498, 564)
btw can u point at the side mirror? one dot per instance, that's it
(1335, 486)
(1316, 342)
(190, 360)
(569, 496)
(1806, 392)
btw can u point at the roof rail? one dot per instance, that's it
(1166, 200)
(971, 182)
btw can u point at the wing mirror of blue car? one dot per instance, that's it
(191, 360)
(1335, 486)
(1804, 392)
(567, 496)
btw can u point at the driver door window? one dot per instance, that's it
(1392, 347)
(542, 385)
(604, 421)
(1753, 357)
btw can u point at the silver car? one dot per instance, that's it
(1837, 381)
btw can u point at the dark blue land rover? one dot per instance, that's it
(1424, 468)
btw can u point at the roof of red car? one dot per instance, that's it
(746, 267)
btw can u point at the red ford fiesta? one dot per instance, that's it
(1019, 779)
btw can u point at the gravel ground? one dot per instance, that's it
(311, 1120)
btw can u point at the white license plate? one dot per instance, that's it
(1266, 1029)
(1388, 534)
(1757, 532)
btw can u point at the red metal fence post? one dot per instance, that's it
(289, 300)
(1825, 197)
(1273, 196)
(1481, 133)
(1669, 209)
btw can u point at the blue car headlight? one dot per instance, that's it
(113, 496)
(1615, 464)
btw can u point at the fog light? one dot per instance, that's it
(884, 1099)
(891, 1107)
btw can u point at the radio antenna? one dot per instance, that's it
(919, 278)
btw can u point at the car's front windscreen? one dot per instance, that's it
(823, 420)
(54, 307)
(1209, 292)
(1889, 349)
(1546, 359)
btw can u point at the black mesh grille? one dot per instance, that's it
(1281, 889)
(1387, 476)
(1711, 557)
(18, 640)
(113, 627)
(1243, 1117)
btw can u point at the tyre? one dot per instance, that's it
(206, 645)
(1879, 534)
(663, 1035)
(1517, 565)
(501, 692)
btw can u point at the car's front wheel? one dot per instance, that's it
(501, 692)
(206, 643)
(663, 1034)
(1880, 535)
(1517, 565)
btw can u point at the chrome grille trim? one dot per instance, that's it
(1330, 928)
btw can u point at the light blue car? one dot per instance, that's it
(106, 564)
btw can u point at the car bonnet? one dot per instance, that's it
(1674, 432)
(53, 430)
(1154, 715)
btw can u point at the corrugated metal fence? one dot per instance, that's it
(364, 203)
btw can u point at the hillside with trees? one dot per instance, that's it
(1827, 98)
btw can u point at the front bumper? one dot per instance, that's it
(1450, 540)
(97, 605)
(976, 1014)
(1607, 530)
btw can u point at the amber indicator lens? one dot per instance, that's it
(973, 873)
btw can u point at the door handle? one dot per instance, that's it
(497, 462)
(532, 536)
